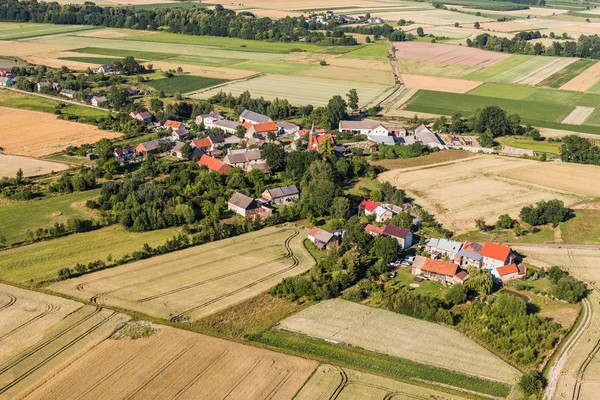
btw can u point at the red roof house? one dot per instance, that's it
(373, 230)
(496, 255)
(214, 165)
(202, 143)
(508, 272)
(438, 270)
(369, 206)
(172, 124)
(314, 141)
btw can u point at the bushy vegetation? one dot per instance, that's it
(565, 287)
(546, 212)
(579, 150)
(387, 152)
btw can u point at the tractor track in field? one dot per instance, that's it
(296, 262)
(50, 308)
(200, 374)
(81, 286)
(55, 354)
(341, 386)
(11, 300)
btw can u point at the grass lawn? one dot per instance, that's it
(138, 54)
(36, 263)
(529, 144)
(362, 183)
(566, 74)
(404, 279)
(274, 67)
(19, 217)
(35, 103)
(380, 364)
(205, 61)
(373, 51)
(252, 317)
(584, 228)
(184, 83)
(226, 43)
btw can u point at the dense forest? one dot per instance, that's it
(189, 21)
(585, 47)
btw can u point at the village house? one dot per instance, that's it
(440, 248)
(149, 147)
(402, 235)
(382, 213)
(438, 270)
(68, 93)
(5, 72)
(367, 127)
(6, 81)
(144, 116)
(208, 119)
(214, 165)
(496, 255)
(253, 117)
(124, 154)
(246, 159)
(303, 132)
(422, 134)
(469, 255)
(46, 85)
(203, 144)
(261, 130)
(247, 206)
(98, 101)
(368, 206)
(177, 150)
(508, 272)
(180, 134)
(104, 69)
(287, 128)
(321, 238)
(226, 126)
(281, 195)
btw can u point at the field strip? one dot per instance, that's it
(585, 80)
(450, 85)
(400, 336)
(10, 165)
(578, 115)
(536, 76)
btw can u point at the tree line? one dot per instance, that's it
(190, 21)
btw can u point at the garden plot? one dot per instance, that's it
(196, 282)
(10, 165)
(329, 382)
(447, 54)
(176, 364)
(298, 90)
(487, 186)
(578, 115)
(400, 336)
(536, 76)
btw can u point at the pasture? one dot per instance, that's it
(58, 134)
(486, 182)
(298, 90)
(329, 381)
(40, 262)
(199, 281)
(179, 364)
(183, 83)
(19, 217)
(42, 334)
(397, 335)
(10, 165)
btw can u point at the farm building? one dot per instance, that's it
(124, 154)
(46, 85)
(516, 152)
(214, 165)
(469, 255)
(98, 101)
(321, 238)
(508, 272)
(104, 69)
(423, 135)
(247, 206)
(496, 255)
(261, 130)
(144, 117)
(287, 128)
(177, 150)
(368, 127)
(438, 270)
(226, 125)
(68, 93)
(146, 148)
(443, 247)
(247, 159)
(281, 195)
(253, 117)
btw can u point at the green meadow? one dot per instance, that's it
(184, 83)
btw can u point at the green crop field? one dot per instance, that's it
(540, 95)
(375, 51)
(274, 67)
(35, 103)
(140, 55)
(566, 74)
(20, 217)
(14, 31)
(520, 70)
(529, 144)
(225, 43)
(91, 60)
(205, 61)
(595, 88)
(36, 263)
(493, 70)
(184, 84)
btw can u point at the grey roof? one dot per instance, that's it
(286, 125)
(426, 136)
(225, 123)
(100, 99)
(445, 245)
(253, 116)
(241, 200)
(290, 190)
(389, 140)
(469, 254)
(178, 146)
(242, 156)
(261, 166)
(216, 139)
(323, 236)
(364, 124)
(151, 145)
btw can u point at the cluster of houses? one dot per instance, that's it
(384, 211)
(345, 19)
(6, 78)
(448, 261)
(247, 206)
(378, 133)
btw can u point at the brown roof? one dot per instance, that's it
(265, 127)
(214, 165)
(172, 124)
(395, 231)
(202, 143)
(241, 200)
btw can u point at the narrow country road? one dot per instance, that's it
(76, 103)
(556, 369)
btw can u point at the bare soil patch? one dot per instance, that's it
(438, 83)
(9, 166)
(37, 134)
(447, 54)
(585, 80)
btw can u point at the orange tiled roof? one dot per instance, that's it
(265, 127)
(202, 143)
(508, 269)
(495, 251)
(439, 267)
(214, 165)
(172, 124)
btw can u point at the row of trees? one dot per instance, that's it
(546, 212)
(191, 21)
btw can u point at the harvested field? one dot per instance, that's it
(298, 90)
(447, 54)
(329, 382)
(536, 76)
(42, 334)
(351, 75)
(10, 165)
(432, 158)
(434, 69)
(585, 80)
(15, 31)
(105, 33)
(57, 136)
(484, 182)
(440, 84)
(578, 115)
(178, 364)
(194, 283)
(400, 336)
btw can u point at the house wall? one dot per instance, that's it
(490, 263)
(285, 199)
(236, 209)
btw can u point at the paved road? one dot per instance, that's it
(74, 102)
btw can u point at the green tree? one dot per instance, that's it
(353, 100)
(420, 32)
(385, 249)
(457, 294)
(2, 240)
(480, 224)
(105, 151)
(479, 281)
(156, 105)
(336, 111)
(19, 177)
(340, 208)
(477, 25)
(186, 151)
(505, 222)
(532, 382)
